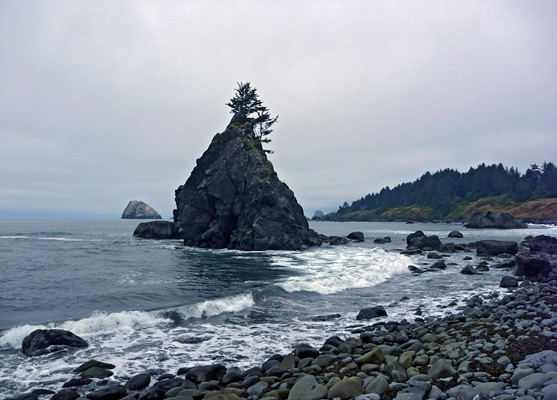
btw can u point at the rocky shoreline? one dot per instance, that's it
(501, 348)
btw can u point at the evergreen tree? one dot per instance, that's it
(250, 113)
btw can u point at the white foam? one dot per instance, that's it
(333, 270)
(211, 308)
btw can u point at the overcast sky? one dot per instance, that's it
(102, 102)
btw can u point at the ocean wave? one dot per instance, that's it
(334, 270)
(109, 323)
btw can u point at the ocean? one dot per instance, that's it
(145, 304)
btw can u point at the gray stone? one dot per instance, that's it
(375, 356)
(371, 312)
(138, 382)
(496, 247)
(346, 389)
(456, 234)
(288, 362)
(156, 230)
(487, 387)
(550, 392)
(379, 386)
(463, 392)
(441, 369)
(307, 388)
(419, 240)
(356, 236)
(114, 392)
(257, 389)
(533, 381)
(468, 270)
(324, 360)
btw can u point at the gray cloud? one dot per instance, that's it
(104, 102)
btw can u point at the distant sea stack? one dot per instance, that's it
(234, 199)
(317, 215)
(139, 210)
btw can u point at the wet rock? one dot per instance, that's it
(356, 236)
(456, 234)
(77, 382)
(66, 394)
(439, 265)
(157, 230)
(508, 282)
(496, 247)
(468, 270)
(419, 240)
(379, 386)
(138, 382)
(530, 266)
(114, 392)
(306, 351)
(206, 373)
(39, 341)
(371, 312)
(97, 373)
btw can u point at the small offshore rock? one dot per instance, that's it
(456, 234)
(421, 241)
(493, 220)
(38, 341)
(156, 230)
(139, 210)
(371, 312)
(468, 270)
(356, 236)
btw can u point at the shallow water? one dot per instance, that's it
(144, 304)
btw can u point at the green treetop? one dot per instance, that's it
(250, 112)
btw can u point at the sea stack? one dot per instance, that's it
(234, 199)
(139, 210)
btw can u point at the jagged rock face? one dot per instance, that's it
(139, 210)
(234, 199)
(493, 220)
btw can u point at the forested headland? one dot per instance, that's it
(451, 195)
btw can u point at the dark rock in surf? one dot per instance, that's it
(468, 270)
(493, 220)
(114, 392)
(39, 341)
(386, 239)
(356, 236)
(66, 394)
(371, 312)
(77, 382)
(206, 373)
(156, 230)
(531, 265)
(234, 199)
(496, 247)
(138, 382)
(508, 282)
(456, 234)
(139, 210)
(421, 241)
(93, 363)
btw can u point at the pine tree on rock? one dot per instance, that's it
(250, 113)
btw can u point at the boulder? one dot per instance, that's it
(234, 199)
(456, 234)
(156, 230)
(139, 210)
(371, 312)
(386, 239)
(66, 394)
(531, 265)
(496, 247)
(493, 220)
(39, 341)
(419, 240)
(346, 389)
(138, 382)
(206, 373)
(468, 270)
(508, 282)
(542, 244)
(441, 369)
(114, 392)
(307, 388)
(356, 236)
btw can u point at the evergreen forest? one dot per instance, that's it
(449, 194)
